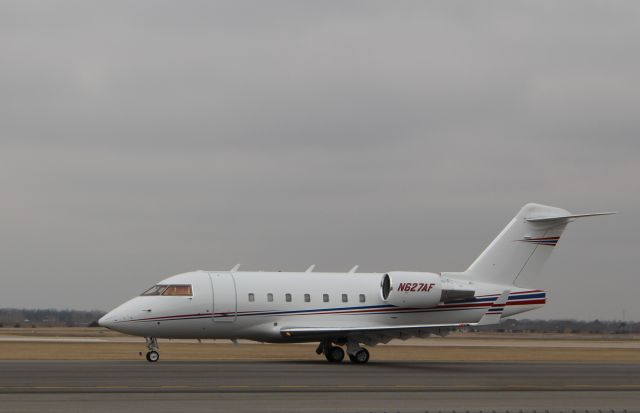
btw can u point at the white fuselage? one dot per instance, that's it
(257, 305)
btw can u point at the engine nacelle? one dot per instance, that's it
(411, 289)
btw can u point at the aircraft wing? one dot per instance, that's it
(313, 331)
(491, 316)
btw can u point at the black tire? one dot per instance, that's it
(335, 354)
(153, 356)
(361, 357)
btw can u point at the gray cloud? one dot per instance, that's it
(141, 140)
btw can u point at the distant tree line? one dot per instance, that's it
(13, 317)
(564, 326)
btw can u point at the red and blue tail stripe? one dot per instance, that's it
(495, 310)
(550, 241)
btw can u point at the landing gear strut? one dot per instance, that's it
(152, 345)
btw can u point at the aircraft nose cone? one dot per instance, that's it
(106, 321)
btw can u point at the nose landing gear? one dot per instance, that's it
(152, 345)
(153, 356)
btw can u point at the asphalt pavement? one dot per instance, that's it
(317, 386)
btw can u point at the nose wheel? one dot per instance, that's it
(152, 345)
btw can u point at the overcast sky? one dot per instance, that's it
(144, 139)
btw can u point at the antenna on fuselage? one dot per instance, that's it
(354, 269)
(311, 267)
(235, 268)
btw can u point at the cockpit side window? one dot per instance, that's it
(155, 290)
(183, 290)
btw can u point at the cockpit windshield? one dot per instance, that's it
(155, 290)
(175, 290)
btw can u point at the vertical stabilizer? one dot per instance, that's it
(523, 246)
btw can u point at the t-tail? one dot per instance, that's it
(523, 246)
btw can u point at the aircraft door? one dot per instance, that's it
(224, 297)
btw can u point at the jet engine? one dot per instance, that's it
(422, 289)
(411, 289)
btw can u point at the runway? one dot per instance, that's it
(316, 386)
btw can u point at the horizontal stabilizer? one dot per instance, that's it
(566, 217)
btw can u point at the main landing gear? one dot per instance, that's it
(335, 354)
(361, 357)
(152, 345)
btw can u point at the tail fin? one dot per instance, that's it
(524, 245)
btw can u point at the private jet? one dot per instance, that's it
(349, 310)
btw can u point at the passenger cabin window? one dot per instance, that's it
(325, 298)
(182, 290)
(175, 290)
(287, 297)
(345, 298)
(252, 297)
(363, 298)
(307, 298)
(270, 297)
